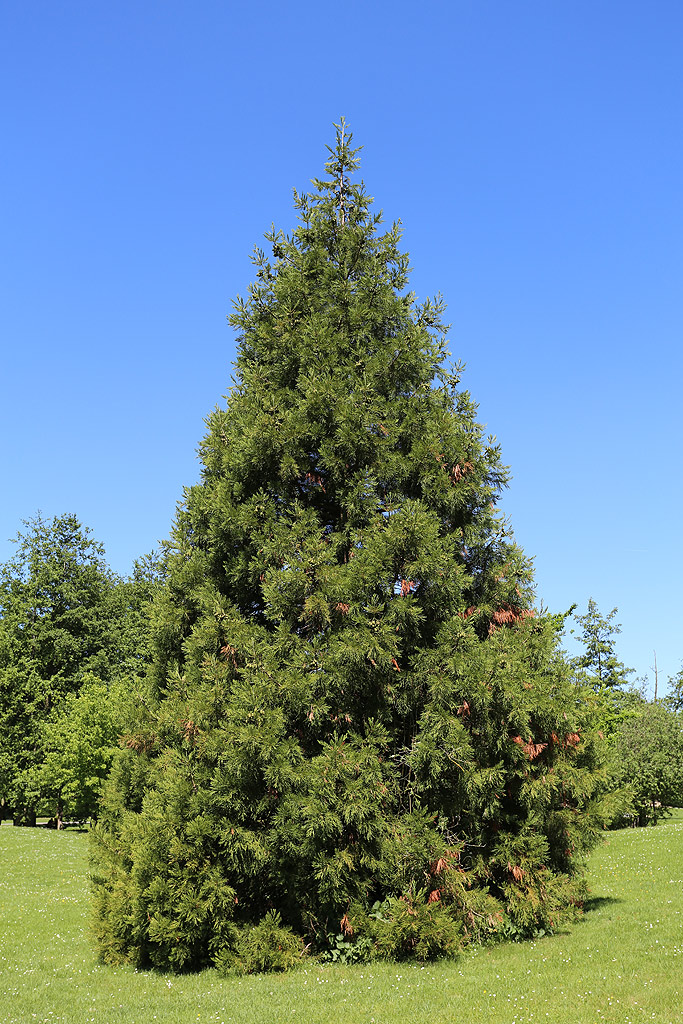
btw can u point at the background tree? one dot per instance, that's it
(650, 760)
(351, 700)
(64, 617)
(81, 736)
(674, 698)
(52, 629)
(78, 745)
(612, 708)
(599, 665)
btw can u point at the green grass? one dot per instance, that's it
(622, 963)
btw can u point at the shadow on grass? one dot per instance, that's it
(68, 826)
(599, 903)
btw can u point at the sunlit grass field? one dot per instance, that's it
(622, 963)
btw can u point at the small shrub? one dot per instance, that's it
(344, 949)
(267, 946)
(411, 927)
(540, 904)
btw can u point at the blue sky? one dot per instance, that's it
(534, 154)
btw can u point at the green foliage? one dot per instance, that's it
(612, 708)
(65, 621)
(79, 742)
(267, 946)
(413, 928)
(351, 699)
(674, 699)
(649, 749)
(599, 665)
(54, 628)
(345, 949)
(644, 756)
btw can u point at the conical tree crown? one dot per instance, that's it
(344, 419)
(350, 695)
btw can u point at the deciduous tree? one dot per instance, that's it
(650, 759)
(80, 737)
(674, 698)
(64, 617)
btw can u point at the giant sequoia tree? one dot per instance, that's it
(352, 704)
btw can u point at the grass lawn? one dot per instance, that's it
(622, 963)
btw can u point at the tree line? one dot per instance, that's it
(76, 645)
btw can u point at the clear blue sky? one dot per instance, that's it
(533, 151)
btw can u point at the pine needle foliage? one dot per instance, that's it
(356, 728)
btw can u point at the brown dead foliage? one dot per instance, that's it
(572, 739)
(230, 654)
(507, 615)
(188, 729)
(459, 471)
(531, 749)
(445, 863)
(141, 743)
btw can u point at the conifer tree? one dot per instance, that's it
(598, 664)
(355, 724)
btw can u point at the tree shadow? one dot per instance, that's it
(599, 902)
(67, 826)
